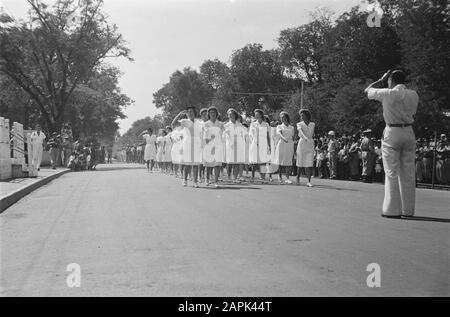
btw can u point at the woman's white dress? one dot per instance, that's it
(192, 141)
(284, 152)
(213, 151)
(247, 146)
(168, 143)
(305, 149)
(160, 151)
(176, 147)
(274, 138)
(259, 149)
(235, 145)
(150, 147)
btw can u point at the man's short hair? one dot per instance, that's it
(398, 77)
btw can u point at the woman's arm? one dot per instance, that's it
(175, 120)
(205, 134)
(280, 134)
(302, 134)
(251, 133)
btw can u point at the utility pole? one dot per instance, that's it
(301, 97)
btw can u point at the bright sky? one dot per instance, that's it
(166, 35)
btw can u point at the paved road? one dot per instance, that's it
(140, 234)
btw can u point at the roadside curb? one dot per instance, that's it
(15, 196)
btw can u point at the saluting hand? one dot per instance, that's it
(386, 76)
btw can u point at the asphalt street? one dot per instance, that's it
(138, 234)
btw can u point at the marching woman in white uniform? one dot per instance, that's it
(274, 166)
(306, 148)
(168, 143)
(213, 149)
(259, 135)
(245, 126)
(191, 144)
(201, 169)
(160, 148)
(235, 146)
(150, 148)
(284, 152)
(176, 150)
(37, 146)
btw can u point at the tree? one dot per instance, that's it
(303, 48)
(185, 88)
(259, 72)
(318, 98)
(424, 31)
(131, 136)
(336, 59)
(355, 50)
(218, 75)
(15, 104)
(213, 72)
(97, 104)
(353, 113)
(56, 50)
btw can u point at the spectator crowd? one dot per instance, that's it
(82, 154)
(357, 158)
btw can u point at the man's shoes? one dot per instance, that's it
(391, 217)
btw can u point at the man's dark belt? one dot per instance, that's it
(399, 125)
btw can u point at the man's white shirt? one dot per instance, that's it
(37, 139)
(399, 103)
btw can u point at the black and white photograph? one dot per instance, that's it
(224, 154)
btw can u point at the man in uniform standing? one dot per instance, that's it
(398, 144)
(367, 150)
(109, 154)
(54, 145)
(333, 149)
(37, 146)
(66, 150)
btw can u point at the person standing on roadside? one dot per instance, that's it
(333, 150)
(368, 158)
(37, 146)
(53, 144)
(66, 150)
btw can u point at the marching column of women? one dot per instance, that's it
(206, 149)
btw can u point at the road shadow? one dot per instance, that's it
(334, 188)
(119, 168)
(426, 219)
(230, 187)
